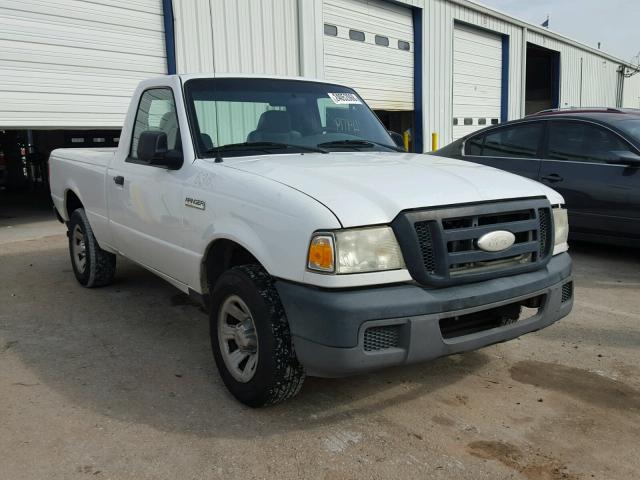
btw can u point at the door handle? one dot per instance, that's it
(119, 180)
(553, 178)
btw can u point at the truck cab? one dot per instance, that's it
(317, 245)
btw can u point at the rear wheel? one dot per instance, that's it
(92, 266)
(250, 338)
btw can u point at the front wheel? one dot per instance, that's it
(250, 338)
(92, 266)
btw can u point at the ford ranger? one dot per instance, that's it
(317, 245)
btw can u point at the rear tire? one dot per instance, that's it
(92, 266)
(254, 353)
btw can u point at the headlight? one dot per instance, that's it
(359, 250)
(561, 229)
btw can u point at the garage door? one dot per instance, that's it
(75, 63)
(369, 45)
(477, 80)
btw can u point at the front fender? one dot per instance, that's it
(272, 221)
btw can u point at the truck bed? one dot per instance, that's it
(82, 171)
(92, 156)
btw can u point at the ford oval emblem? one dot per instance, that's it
(496, 241)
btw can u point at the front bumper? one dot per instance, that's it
(328, 327)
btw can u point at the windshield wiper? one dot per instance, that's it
(264, 146)
(358, 144)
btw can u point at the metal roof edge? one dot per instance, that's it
(541, 30)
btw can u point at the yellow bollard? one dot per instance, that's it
(434, 141)
(406, 137)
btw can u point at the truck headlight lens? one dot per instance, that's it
(560, 227)
(358, 250)
(367, 250)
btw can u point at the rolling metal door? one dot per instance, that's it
(477, 80)
(75, 63)
(382, 74)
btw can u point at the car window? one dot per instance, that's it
(582, 142)
(473, 146)
(156, 111)
(630, 127)
(228, 122)
(236, 117)
(337, 118)
(517, 141)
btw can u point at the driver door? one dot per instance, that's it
(603, 198)
(146, 201)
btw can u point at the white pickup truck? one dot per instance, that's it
(317, 245)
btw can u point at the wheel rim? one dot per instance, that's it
(79, 249)
(238, 339)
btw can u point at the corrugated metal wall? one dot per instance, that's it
(75, 63)
(586, 79)
(631, 92)
(439, 19)
(237, 36)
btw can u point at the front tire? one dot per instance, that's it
(92, 266)
(250, 338)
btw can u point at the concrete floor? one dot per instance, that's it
(119, 383)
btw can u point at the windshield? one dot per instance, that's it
(630, 127)
(242, 116)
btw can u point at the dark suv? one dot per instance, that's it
(590, 156)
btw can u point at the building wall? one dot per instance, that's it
(75, 63)
(237, 36)
(439, 18)
(595, 86)
(631, 92)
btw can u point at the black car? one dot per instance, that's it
(590, 156)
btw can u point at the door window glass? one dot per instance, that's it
(473, 146)
(519, 141)
(156, 111)
(583, 142)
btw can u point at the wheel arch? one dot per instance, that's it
(72, 202)
(220, 255)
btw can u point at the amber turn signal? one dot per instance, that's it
(321, 254)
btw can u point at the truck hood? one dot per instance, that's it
(365, 188)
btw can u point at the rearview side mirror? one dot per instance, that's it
(625, 157)
(397, 139)
(153, 149)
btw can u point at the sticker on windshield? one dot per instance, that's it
(344, 98)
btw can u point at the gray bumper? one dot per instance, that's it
(328, 327)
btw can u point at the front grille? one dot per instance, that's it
(567, 292)
(423, 230)
(381, 338)
(546, 230)
(440, 246)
